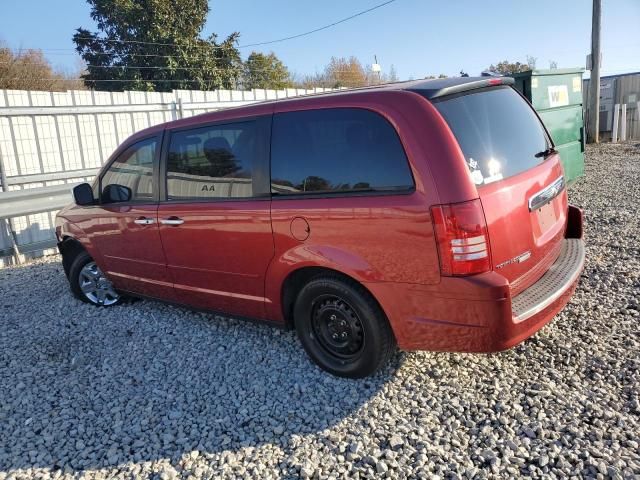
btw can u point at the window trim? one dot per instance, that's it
(343, 193)
(260, 169)
(123, 148)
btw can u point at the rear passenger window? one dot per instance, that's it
(212, 162)
(336, 150)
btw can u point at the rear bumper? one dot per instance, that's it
(558, 279)
(478, 314)
(537, 305)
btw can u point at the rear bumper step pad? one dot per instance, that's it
(560, 276)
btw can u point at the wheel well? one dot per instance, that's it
(69, 248)
(297, 279)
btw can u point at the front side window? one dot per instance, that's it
(133, 169)
(212, 162)
(336, 151)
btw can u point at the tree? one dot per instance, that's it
(265, 71)
(393, 75)
(155, 45)
(342, 72)
(506, 67)
(29, 70)
(377, 78)
(314, 183)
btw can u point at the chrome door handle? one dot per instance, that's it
(144, 221)
(172, 221)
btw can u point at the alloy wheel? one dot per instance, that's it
(95, 286)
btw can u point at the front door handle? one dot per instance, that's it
(144, 221)
(172, 221)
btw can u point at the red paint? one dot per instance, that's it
(129, 253)
(218, 257)
(514, 230)
(234, 256)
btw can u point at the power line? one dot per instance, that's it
(140, 42)
(143, 67)
(346, 19)
(346, 74)
(338, 22)
(153, 80)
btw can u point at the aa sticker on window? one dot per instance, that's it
(558, 95)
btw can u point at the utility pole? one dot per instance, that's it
(594, 82)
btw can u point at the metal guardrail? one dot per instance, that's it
(35, 200)
(17, 203)
(26, 202)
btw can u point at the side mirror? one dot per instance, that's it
(116, 193)
(83, 194)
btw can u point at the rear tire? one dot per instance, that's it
(89, 284)
(342, 328)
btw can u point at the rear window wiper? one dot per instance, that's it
(546, 153)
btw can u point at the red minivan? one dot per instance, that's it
(427, 215)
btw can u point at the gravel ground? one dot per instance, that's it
(153, 391)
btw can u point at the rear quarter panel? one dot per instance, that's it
(374, 238)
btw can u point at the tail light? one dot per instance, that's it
(463, 241)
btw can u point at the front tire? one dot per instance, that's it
(89, 284)
(342, 328)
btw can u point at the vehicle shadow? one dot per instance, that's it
(89, 388)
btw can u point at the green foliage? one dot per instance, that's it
(120, 57)
(265, 71)
(506, 67)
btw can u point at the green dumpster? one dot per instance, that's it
(556, 94)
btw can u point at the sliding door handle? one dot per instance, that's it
(144, 221)
(172, 221)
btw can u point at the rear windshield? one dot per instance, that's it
(498, 132)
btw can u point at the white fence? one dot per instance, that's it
(57, 138)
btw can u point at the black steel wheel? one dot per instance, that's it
(342, 327)
(337, 327)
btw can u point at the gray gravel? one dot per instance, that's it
(152, 391)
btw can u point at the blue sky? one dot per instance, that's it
(419, 37)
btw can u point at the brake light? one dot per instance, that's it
(462, 238)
